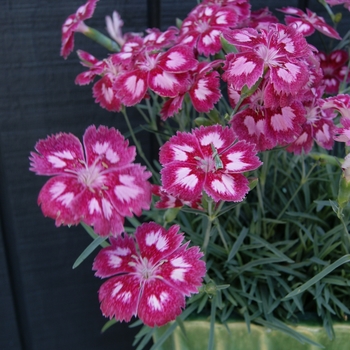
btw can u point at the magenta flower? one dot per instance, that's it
(279, 53)
(343, 134)
(307, 23)
(74, 23)
(151, 278)
(203, 89)
(207, 159)
(204, 25)
(108, 69)
(346, 3)
(167, 201)
(334, 68)
(340, 103)
(99, 187)
(166, 73)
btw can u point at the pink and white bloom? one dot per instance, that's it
(279, 53)
(75, 23)
(108, 69)
(204, 25)
(166, 73)
(167, 201)
(150, 275)
(203, 89)
(340, 103)
(307, 23)
(343, 134)
(98, 185)
(334, 67)
(346, 3)
(207, 159)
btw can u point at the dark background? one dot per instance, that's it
(44, 304)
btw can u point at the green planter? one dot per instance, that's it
(259, 338)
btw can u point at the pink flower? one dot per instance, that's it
(207, 159)
(343, 133)
(167, 201)
(340, 103)
(346, 3)
(166, 73)
(108, 69)
(99, 187)
(74, 23)
(306, 23)
(151, 278)
(204, 25)
(203, 89)
(279, 53)
(334, 68)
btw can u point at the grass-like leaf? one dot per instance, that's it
(318, 277)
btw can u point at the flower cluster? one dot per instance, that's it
(227, 83)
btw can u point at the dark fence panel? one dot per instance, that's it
(44, 304)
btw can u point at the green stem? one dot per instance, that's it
(138, 146)
(101, 39)
(209, 225)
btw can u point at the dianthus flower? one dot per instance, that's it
(75, 23)
(166, 73)
(340, 103)
(108, 69)
(307, 23)
(204, 25)
(207, 159)
(99, 188)
(203, 89)
(151, 278)
(279, 53)
(167, 201)
(346, 3)
(334, 68)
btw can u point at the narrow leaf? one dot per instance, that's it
(318, 277)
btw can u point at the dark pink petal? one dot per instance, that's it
(97, 210)
(104, 93)
(226, 187)
(209, 42)
(171, 106)
(301, 25)
(340, 103)
(178, 59)
(323, 131)
(289, 77)
(181, 147)
(119, 297)
(159, 303)
(304, 142)
(183, 180)
(56, 199)
(132, 87)
(239, 158)
(243, 69)
(205, 92)
(128, 189)
(167, 84)
(343, 134)
(215, 135)
(57, 154)
(115, 259)
(155, 242)
(86, 58)
(184, 270)
(107, 146)
(75, 23)
(284, 124)
(250, 125)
